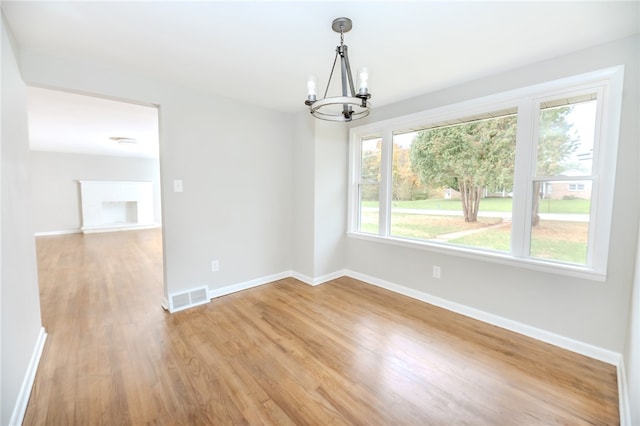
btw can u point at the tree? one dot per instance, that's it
(468, 157)
(406, 185)
(371, 158)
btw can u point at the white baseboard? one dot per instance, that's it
(586, 349)
(61, 232)
(116, 228)
(319, 280)
(217, 292)
(27, 383)
(623, 395)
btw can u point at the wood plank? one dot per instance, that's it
(284, 353)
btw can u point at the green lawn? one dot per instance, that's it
(556, 240)
(490, 205)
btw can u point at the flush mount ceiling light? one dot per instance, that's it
(351, 105)
(121, 139)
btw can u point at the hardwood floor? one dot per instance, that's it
(284, 353)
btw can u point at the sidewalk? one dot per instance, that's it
(567, 217)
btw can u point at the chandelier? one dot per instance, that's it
(351, 105)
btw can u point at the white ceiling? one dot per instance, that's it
(72, 123)
(263, 51)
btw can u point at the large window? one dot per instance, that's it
(525, 176)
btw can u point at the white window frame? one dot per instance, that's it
(607, 83)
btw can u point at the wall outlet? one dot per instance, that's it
(177, 185)
(436, 272)
(215, 265)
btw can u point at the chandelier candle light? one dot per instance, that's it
(351, 105)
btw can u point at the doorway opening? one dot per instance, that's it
(75, 139)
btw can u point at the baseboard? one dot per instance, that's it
(581, 348)
(623, 395)
(217, 292)
(319, 280)
(27, 383)
(116, 228)
(61, 232)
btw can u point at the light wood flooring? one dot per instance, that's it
(343, 352)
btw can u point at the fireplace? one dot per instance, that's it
(116, 205)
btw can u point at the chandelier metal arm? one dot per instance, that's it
(347, 80)
(335, 59)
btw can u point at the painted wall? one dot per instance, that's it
(632, 349)
(330, 222)
(587, 311)
(235, 161)
(20, 301)
(320, 183)
(303, 195)
(55, 189)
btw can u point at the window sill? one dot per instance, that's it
(487, 256)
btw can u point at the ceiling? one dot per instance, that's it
(73, 123)
(263, 51)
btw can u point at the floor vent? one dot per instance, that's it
(188, 299)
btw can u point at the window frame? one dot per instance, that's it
(607, 83)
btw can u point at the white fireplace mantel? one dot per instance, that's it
(116, 205)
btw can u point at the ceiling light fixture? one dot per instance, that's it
(351, 105)
(121, 139)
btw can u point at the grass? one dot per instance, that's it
(429, 227)
(555, 240)
(490, 205)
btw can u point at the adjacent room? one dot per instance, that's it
(216, 213)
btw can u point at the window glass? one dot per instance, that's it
(369, 187)
(560, 222)
(566, 137)
(453, 183)
(561, 203)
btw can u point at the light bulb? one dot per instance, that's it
(363, 81)
(312, 84)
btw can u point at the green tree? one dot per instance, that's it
(371, 158)
(468, 157)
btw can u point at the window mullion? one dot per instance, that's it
(522, 184)
(355, 166)
(385, 182)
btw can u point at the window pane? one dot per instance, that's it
(560, 221)
(369, 188)
(566, 137)
(454, 183)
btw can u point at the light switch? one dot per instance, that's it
(177, 185)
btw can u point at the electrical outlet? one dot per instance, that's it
(436, 272)
(215, 265)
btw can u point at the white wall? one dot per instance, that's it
(320, 184)
(55, 190)
(20, 309)
(235, 161)
(330, 222)
(303, 195)
(632, 349)
(590, 312)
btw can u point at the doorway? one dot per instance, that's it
(77, 138)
